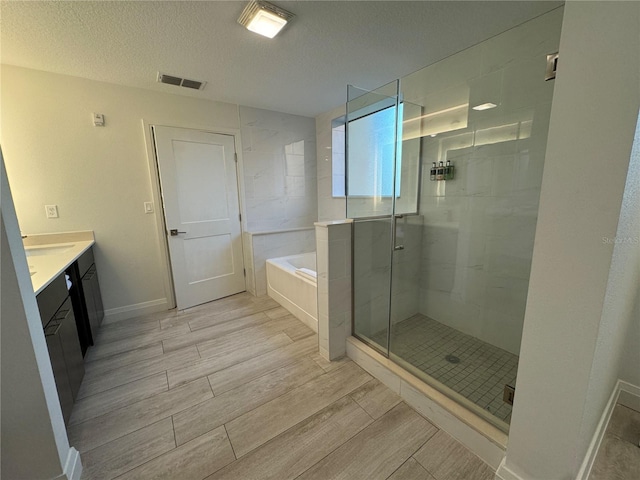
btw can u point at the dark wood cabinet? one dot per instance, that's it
(91, 291)
(93, 299)
(86, 297)
(63, 342)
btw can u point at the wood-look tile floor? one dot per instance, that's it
(235, 389)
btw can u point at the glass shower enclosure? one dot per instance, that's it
(443, 175)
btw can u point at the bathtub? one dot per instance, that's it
(295, 291)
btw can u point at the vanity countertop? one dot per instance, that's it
(49, 255)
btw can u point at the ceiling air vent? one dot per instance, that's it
(180, 82)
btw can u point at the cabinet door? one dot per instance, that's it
(71, 346)
(87, 290)
(97, 296)
(54, 345)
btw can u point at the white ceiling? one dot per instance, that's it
(303, 71)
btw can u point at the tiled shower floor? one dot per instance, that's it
(480, 375)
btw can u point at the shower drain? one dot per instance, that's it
(452, 359)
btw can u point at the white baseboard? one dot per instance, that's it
(72, 467)
(624, 393)
(629, 395)
(135, 310)
(505, 473)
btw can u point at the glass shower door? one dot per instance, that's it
(371, 152)
(382, 185)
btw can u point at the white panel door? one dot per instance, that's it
(202, 215)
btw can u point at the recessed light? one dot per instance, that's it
(264, 18)
(485, 106)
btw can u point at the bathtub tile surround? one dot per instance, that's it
(190, 433)
(260, 246)
(333, 241)
(292, 282)
(279, 170)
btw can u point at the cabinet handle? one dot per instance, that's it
(54, 333)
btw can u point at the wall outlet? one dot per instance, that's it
(148, 207)
(52, 211)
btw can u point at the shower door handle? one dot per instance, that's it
(395, 232)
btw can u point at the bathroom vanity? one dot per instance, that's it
(65, 281)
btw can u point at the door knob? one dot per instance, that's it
(174, 232)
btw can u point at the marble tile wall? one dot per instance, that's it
(279, 170)
(479, 228)
(329, 207)
(259, 247)
(334, 287)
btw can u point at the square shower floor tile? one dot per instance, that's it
(473, 368)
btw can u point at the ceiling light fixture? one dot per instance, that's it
(485, 106)
(264, 18)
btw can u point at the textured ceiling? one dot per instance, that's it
(303, 71)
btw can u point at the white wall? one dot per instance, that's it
(34, 439)
(617, 353)
(593, 119)
(98, 176)
(630, 355)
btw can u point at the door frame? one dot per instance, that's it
(156, 196)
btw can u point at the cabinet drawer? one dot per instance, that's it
(85, 261)
(51, 298)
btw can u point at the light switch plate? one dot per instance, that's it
(148, 207)
(51, 210)
(98, 120)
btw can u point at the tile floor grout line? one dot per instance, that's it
(82, 452)
(230, 443)
(213, 315)
(143, 400)
(245, 345)
(292, 360)
(312, 414)
(101, 392)
(127, 364)
(137, 337)
(173, 425)
(425, 468)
